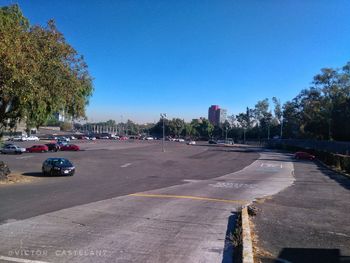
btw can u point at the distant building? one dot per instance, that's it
(212, 112)
(200, 120)
(216, 115)
(59, 116)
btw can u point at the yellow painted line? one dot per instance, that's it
(191, 197)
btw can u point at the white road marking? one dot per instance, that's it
(191, 181)
(125, 165)
(24, 157)
(21, 260)
(270, 165)
(232, 185)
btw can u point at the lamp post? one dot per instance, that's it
(163, 116)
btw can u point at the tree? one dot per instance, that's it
(261, 114)
(278, 113)
(176, 126)
(40, 73)
(245, 121)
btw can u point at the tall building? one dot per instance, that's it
(212, 112)
(221, 115)
(216, 115)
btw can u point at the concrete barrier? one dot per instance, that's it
(247, 245)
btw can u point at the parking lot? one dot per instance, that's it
(106, 169)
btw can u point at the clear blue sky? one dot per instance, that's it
(181, 56)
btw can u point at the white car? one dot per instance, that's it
(191, 143)
(19, 139)
(180, 140)
(149, 138)
(32, 138)
(11, 148)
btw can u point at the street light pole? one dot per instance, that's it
(163, 116)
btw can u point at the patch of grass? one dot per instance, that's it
(13, 178)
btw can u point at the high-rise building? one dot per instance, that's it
(221, 115)
(216, 115)
(212, 112)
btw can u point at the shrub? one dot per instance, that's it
(4, 171)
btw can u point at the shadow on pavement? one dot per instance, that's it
(39, 174)
(228, 253)
(339, 178)
(308, 255)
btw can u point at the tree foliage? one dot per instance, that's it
(40, 73)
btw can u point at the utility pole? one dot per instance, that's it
(163, 116)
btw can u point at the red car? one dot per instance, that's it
(70, 147)
(304, 156)
(38, 149)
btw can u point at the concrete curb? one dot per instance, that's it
(247, 245)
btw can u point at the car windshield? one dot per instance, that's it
(61, 162)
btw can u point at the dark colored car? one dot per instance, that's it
(58, 166)
(304, 156)
(53, 147)
(40, 148)
(212, 142)
(70, 147)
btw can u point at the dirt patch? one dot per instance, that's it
(258, 251)
(15, 178)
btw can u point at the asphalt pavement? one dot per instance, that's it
(107, 169)
(308, 221)
(183, 215)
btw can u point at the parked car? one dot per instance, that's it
(60, 143)
(149, 138)
(179, 140)
(70, 147)
(18, 139)
(123, 138)
(191, 143)
(40, 148)
(58, 166)
(32, 138)
(53, 147)
(304, 156)
(11, 148)
(63, 139)
(212, 142)
(105, 137)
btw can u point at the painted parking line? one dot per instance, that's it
(233, 185)
(125, 165)
(24, 157)
(21, 260)
(271, 165)
(190, 197)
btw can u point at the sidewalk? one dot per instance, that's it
(307, 222)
